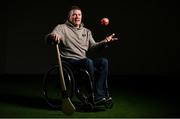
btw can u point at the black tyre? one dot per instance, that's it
(84, 87)
(52, 88)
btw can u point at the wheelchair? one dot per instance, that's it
(78, 83)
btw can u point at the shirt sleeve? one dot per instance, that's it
(58, 30)
(94, 44)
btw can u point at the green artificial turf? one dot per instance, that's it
(22, 98)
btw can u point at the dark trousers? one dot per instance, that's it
(98, 70)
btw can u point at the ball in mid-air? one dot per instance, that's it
(104, 21)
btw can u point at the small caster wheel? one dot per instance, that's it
(90, 107)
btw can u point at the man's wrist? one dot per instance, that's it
(107, 40)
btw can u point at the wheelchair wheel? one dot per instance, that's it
(84, 88)
(52, 88)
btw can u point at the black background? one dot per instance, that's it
(148, 32)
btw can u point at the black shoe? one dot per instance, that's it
(108, 99)
(109, 103)
(100, 101)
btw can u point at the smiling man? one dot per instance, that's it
(74, 41)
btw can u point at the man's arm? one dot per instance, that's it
(109, 39)
(52, 39)
(104, 43)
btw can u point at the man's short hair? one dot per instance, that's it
(74, 7)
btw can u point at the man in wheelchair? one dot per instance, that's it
(74, 41)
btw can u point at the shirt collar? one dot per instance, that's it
(72, 25)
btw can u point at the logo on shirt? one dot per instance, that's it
(83, 35)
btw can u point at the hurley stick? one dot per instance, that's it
(67, 106)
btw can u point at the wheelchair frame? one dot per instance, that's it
(51, 91)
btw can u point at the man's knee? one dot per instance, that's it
(104, 62)
(88, 61)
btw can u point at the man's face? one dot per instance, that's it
(75, 17)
